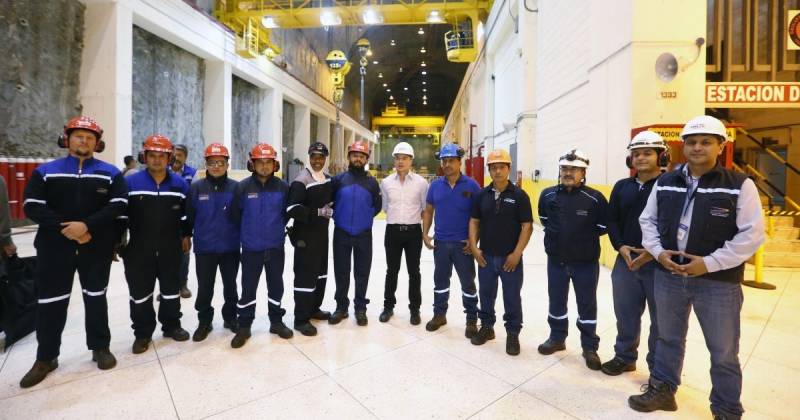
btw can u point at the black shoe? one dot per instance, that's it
(185, 292)
(436, 322)
(617, 366)
(231, 325)
(386, 315)
(550, 347)
(201, 332)
(242, 334)
(361, 318)
(105, 360)
(337, 317)
(177, 334)
(281, 329)
(38, 372)
(512, 344)
(656, 396)
(483, 335)
(140, 345)
(592, 359)
(721, 416)
(321, 315)
(415, 318)
(306, 329)
(471, 329)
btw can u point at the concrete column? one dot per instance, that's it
(106, 77)
(302, 132)
(270, 123)
(218, 91)
(323, 131)
(526, 120)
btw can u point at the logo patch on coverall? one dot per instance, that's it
(202, 197)
(581, 212)
(720, 212)
(252, 195)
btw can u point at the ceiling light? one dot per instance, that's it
(384, 85)
(421, 31)
(371, 17)
(424, 83)
(391, 98)
(424, 72)
(423, 64)
(424, 89)
(375, 62)
(423, 50)
(269, 22)
(329, 18)
(392, 43)
(380, 75)
(405, 88)
(424, 102)
(425, 97)
(388, 90)
(434, 17)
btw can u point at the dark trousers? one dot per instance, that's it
(512, 287)
(631, 291)
(206, 267)
(584, 278)
(253, 263)
(360, 247)
(447, 255)
(185, 268)
(56, 271)
(310, 275)
(718, 307)
(401, 238)
(142, 268)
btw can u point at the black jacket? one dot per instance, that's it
(573, 222)
(628, 199)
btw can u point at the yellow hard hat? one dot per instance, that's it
(498, 156)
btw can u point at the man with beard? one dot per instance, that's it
(310, 200)
(574, 218)
(75, 201)
(357, 200)
(159, 237)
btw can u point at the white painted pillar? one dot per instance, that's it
(302, 132)
(526, 119)
(217, 103)
(271, 121)
(106, 76)
(323, 131)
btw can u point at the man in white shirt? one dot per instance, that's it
(701, 222)
(404, 195)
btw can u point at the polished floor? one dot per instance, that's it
(392, 370)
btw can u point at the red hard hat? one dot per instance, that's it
(158, 143)
(263, 151)
(216, 149)
(359, 146)
(84, 123)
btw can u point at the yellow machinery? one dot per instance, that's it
(252, 20)
(339, 66)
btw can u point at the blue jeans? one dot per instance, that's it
(271, 261)
(512, 286)
(447, 255)
(360, 247)
(631, 291)
(584, 280)
(718, 307)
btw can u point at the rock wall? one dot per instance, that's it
(246, 117)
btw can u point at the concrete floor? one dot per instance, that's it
(394, 370)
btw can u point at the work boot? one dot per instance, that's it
(321, 315)
(386, 315)
(512, 344)
(415, 318)
(177, 334)
(656, 396)
(232, 325)
(140, 345)
(592, 359)
(306, 328)
(722, 416)
(337, 317)
(436, 322)
(242, 334)
(483, 335)
(38, 372)
(617, 366)
(471, 329)
(201, 332)
(361, 318)
(279, 328)
(550, 347)
(105, 360)
(185, 292)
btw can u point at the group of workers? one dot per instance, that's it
(682, 239)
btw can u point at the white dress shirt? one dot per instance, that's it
(735, 251)
(404, 201)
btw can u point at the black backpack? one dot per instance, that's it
(17, 298)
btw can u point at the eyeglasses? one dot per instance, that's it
(216, 164)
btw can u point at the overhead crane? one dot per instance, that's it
(252, 20)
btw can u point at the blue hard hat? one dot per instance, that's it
(450, 150)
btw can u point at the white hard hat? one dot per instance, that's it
(647, 139)
(403, 148)
(704, 124)
(574, 158)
